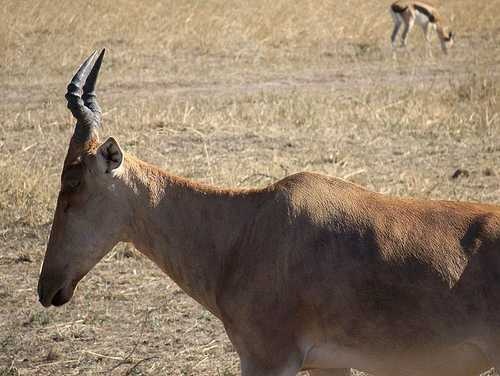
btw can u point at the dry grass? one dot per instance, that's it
(231, 93)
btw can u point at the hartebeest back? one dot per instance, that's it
(310, 273)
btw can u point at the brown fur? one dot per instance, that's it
(311, 272)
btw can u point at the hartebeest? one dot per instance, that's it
(425, 15)
(310, 273)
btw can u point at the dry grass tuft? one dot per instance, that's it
(231, 93)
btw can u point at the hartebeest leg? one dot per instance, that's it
(250, 367)
(260, 358)
(331, 372)
(491, 348)
(265, 350)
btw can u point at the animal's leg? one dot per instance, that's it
(472, 357)
(261, 355)
(427, 28)
(427, 32)
(429, 51)
(491, 348)
(408, 26)
(250, 367)
(266, 345)
(395, 31)
(331, 372)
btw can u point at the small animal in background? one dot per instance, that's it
(408, 13)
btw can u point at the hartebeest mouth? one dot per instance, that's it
(56, 297)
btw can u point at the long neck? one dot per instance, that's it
(440, 31)
(188, 230)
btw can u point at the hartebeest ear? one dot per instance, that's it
(109, 156)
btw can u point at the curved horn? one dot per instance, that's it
(82, 101)
(89, 97)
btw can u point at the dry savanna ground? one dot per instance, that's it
(231, 93)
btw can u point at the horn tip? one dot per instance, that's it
(99, 58)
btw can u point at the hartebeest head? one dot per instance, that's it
(86, 223)
(447, 41)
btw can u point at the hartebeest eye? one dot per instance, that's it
(72, 177)
(71, 185)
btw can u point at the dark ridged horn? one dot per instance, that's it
(82, 101)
